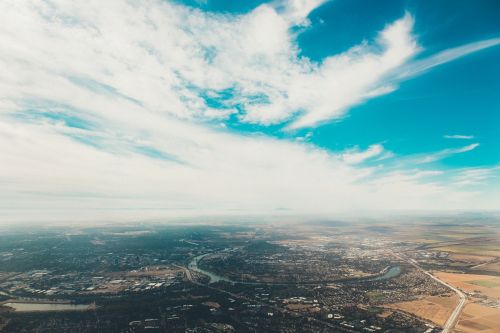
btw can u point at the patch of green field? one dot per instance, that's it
(375, 296)
(486, 283)
(374, 310)
(487, 250)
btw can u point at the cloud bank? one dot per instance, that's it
(114, 106)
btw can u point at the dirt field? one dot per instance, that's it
(384, 314)
(155, 271)
(470, 258)
(493, 267)
(214, 305)
(433, 308)
(302, 308)
(488, 285)
(488, 249)
(477, 318)
(109, 289)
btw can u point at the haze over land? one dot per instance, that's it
(429, 274)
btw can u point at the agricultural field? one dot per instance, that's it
(487, 285)
(465, 246)
(491, 250)
(493, 267)
(436, 309)
(473, 259)
(477, 318)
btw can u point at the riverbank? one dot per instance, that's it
(387, 273)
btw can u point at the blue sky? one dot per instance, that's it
(459, 97)
(204, 107)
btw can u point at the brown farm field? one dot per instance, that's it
(471, 258)
(488, 285)
(473, 246)
(492, 251)
(436, 309)
(493, 267)
(477, 318)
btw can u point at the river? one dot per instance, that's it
(389, 273)
(193, 265)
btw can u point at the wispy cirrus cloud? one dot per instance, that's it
(375, 152)
(459, 136)
(420, 66)
(445, 153)
(475, 176)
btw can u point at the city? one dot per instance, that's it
(383, 277)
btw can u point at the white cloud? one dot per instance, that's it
(459, 136)
(102, 107)
(296, 11)
(169, 57)
(460, 150)
(436, 156)
(445, 56)
(475, 176)
(355, 156)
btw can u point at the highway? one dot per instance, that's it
(450, 323)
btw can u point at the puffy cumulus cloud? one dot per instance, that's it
(102, 109)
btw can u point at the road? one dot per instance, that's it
(485, 263)
(450, 323)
